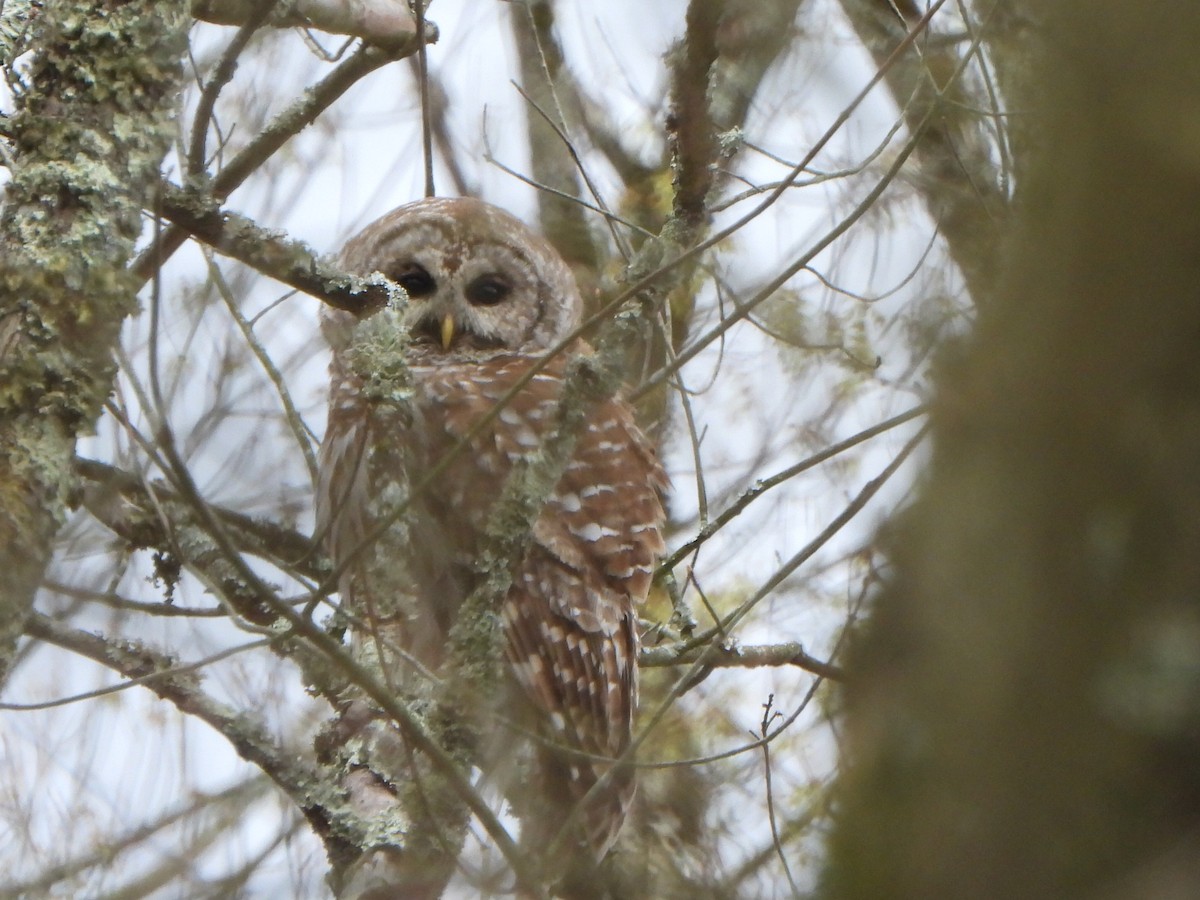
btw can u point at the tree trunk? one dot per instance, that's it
(87, 140)
(1024, 719)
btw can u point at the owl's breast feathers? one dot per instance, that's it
(569, 615)
(570, 624)
(604, 517)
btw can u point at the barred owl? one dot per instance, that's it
(486, 299)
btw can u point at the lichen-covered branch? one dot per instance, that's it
(271, 253)
(154, 516)
(365, 822)
(87, 140)
(693, 134)
(313, 792)
(302, 113)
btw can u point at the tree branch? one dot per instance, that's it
(290, 262)
(152, 515)
(303, 783)
(693, 134)
(716, 656)
(957, 176)
(286, 125)
(386, 23)
(1024, 698)
(101, 855)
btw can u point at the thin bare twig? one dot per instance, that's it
(290, 413)
(137, 681)
(418, 7)
(716, 656)
(156, 672)
(241, 794)
(763, 485)
(769, 716)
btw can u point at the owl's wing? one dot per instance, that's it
(569, 615)
(583, 683)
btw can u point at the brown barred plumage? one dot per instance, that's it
(487, 297)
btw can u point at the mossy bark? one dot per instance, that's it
(88, 136)
(1024, 712)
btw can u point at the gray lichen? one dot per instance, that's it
(377, 358)
(87, 137)
(18, 21)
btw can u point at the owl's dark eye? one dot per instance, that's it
(487, 290)
(415, 280)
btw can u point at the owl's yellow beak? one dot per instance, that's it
(447, 331)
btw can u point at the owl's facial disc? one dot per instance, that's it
(478, 280)
(439, 318)
(417, 283)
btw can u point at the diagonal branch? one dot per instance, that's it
(715, 656)
(153, 515)
(283, 128)
(290, 262)
(249, 737)
(958, 178)
(386, 23)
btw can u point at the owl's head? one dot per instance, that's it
(478, 280)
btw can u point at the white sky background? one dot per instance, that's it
(84, 771)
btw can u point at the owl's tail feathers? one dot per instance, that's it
(573, 859)
(597, 815)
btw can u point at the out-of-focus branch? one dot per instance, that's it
(763, 485)
(211, 542)
(350, 830)
(1014, 38)
(742, 310)
(708, 644)
(957, 175)
(693, 134)
(387, 23)
(1024, 699)
(239, 796)
(544, 79)
(249, 737)
(438, 101)
(750, 37)
(152, 515)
